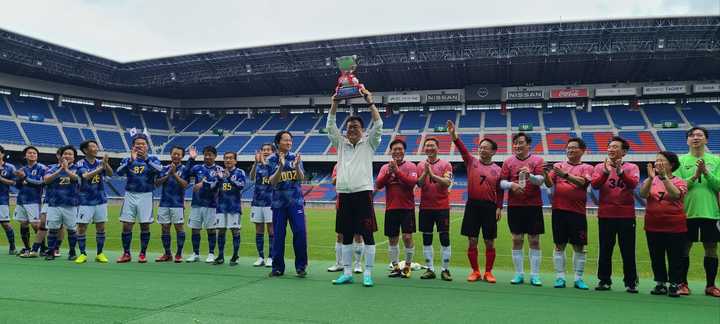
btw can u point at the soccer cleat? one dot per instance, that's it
(712, 291)
(21, 252)
(489, 277)
(57, 253)
(535, 281)
(368, 281)
(219, 260)
(30, 254)
(101, 258)
(474, 276)
(12, 251)
(357, 268)
(683, 289)
(517, 279)
(178, 258)
(259, 263)
(164, 258)
(673, 290)
(660, 289)
(395, 273)
(124, 258)
(275, 273)
(210, 258)
(407, 272)
(602, 286)
(343, 279)
(445, 275)
(193, 258)
(335, 268)
(633, 289)
(82, 258)
(301, 273)
(559, 283)
(268, 263)
(429, 274)
(234, 260)
(142, 258)
(72, 257)
(580, 284)
(50, 256)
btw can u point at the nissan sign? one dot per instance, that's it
(443, 97)
(569, 93)
(525, 94)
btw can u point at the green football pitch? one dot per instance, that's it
(38, 291)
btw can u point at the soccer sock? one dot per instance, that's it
(409, 254)
(579, 264)
(236, 243)
(489, 259)
(221, 244)
(445, 250)
(180, 242)
(52, 238)
(428, 253)
(711, 269)
(518, 258)
(270, 239)
(685, 263)
(559, 262)
(212, 240)
(338, 253)
(72, 241)
(472, 254)
(126, 239)
(81, 243)
(394, 253)
(358, 248)
(100, 241)
(144, 240)
(165, 238)
(10, 237)
(260, 244)
(535, 256)
(369, 251)
(195, 242)
(25, 236)
(347, 252)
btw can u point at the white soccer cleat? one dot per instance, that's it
(357, 268)
(193, 258)
(210, 258)
(259, 263)
(335, 268)
(268, 263)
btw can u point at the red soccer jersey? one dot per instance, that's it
(483, 180)
(616, 193)
(399, 185)
(433, 196)
(510, 172)
(567, 196)
(663, 214)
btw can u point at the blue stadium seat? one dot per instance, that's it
(201, 124)
(597, 141)
(229, 122)
(555, 118)
(471, 119)
(640, 141)
(623, 116)
(64, 114)
(78, 112)
(714, 143)
(384, 142)
(439, 118)
(659, 113)
(179, 124)
(389, 120)
(233, 143)
(155, 120)
(253, 124)
(129, 119)
(413, 143)
(10, 133)
(596, 117)
(180, 140)
(88, 134)
(26, 106)
(257, 141)
(3, 106)
(111, 141)
(520, 116)
(413, 120)
(674, 141)
(495, 119)
(102, 116)
(277, 122)
(315, 145)
(304, 122)
(340, 119)
(73, 136)
(209, 140)
(158, 140)
(700, 113)
(43, 135)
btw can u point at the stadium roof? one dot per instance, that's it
(627, 50)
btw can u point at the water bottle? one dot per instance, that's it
(522, 179)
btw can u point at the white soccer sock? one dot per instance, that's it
(359, 248)
(559, 262)
(428, 253)
(579, 264)
(409, 253)
(535, 257)
(347, 253)
(394, 253)
(445, 256)
(518, 259)
(338, 253)
(369, 258)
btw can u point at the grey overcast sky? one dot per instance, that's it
(130, 30)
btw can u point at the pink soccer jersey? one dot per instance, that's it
(433, 196)
(399, 185)
(616, 193)
(567, 196)
(510, 172)
(483, 180)
(663, 214)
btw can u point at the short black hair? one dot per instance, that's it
(272, 147)
(2, 150)
(279, 135)
(140, 136)
(62, 150)
(177, 147)
(672, 158)
(84, 145)
(625, 145)
(437, 142)
(210, 149)
(30, 147)
(492, 143)
(234, 154)
(528, 139)
(579, 141)
(692, 130)
(398, 141)
(355, 118)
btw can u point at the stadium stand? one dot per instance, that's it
(641, 141)
(439, 118)
(233, 143)
(88, 134)
(43, 135)
(278, 122)
(201, 124)
(64, 114)
(390, 120)
(209, 140)
(11, 133)
(495, 118)
(111, 141)
(384, 143)
(558, 118)
(524, 116)
(595, 117)
(229, 123)
(4, 110)
(303, 122)
(413, 120)
(155, 120)
(700, 113)
(101, 115)
(624, 116)
(471, 119)
(78, 112)
(27, 106)
(129, 119)
(713, 142)
(158, 140)
(597, 141)
(673, 140)
(180, 140)
(179, 124)
(413, 143)
(253, 123)
(502, 141)
(315, 145)
(73, 135)
(659, 113)
(257, 141)
(556, 142)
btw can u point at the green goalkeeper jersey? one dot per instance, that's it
(701, 201)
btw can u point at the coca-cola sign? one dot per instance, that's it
(569, 93)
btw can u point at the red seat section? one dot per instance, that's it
(556, 142)
(641, 141)
(502, 142)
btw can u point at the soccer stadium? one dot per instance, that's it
(646, 80)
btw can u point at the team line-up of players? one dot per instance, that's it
(681, 194)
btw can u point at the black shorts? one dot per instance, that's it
(356, 214)
(399, 218)
(526, 220)
(703, 230)
(431, 217)
(337, 219)
(479, 214)
(569, 227)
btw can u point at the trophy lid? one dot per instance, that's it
(347, 63)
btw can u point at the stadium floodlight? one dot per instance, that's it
(248, 68)
(553, 47)
(661, 43)
(328, 61)
(173, 76)
(412, 56)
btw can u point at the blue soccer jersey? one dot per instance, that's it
(207, 196)
(92, 191)
(288, 191)
(173, 195)
(140, 173)
(262, 195)
(30, 190)
(63, 191)
(7, 171)
(231, 192)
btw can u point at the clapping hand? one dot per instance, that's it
(650, 171)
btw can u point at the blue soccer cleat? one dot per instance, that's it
(535, 281)
(343, 279)
(559, 283)
(517, 279)
(368, 281)
(580, 284)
